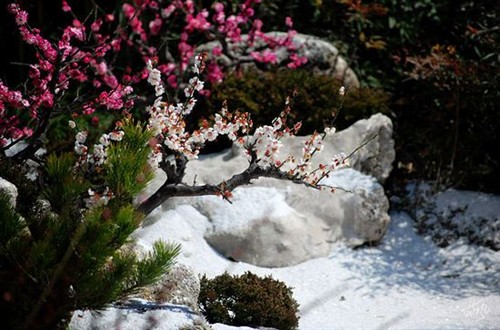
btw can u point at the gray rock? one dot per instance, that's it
(375, 158)
(180, 286)
(10, 190)
(323, 57)
(139, 314)
(276, 223)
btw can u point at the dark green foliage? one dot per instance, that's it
(63, 185)
(445, 122)
(248, 300)
(263, 94)
(60, 255)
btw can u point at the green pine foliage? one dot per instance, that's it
(126, 176)
(57, 255)
(248, 300)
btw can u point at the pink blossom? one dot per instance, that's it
(101, 68)
(96, 25)
(128, 10)
(110, 80)
(155, 26)
(172, 81)
(166, 69)
(267, 56)
(219, 15)
(198, 22)
(217, 51)
(47, 99)
(20, 15)
(215, 74)
(296, 61)
(109, 17)
(168, 11)
(111, 101)
(88, 108)
(65, 6)
(116, 44)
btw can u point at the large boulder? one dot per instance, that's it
(276, 223)
(323, 57)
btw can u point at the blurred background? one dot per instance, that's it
(431, 65)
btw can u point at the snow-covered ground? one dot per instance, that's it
(406, 282)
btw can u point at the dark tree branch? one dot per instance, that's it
(168, 190)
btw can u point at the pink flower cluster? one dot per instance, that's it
(84, 56)
(82, 61)
(217, 23)
(58, 65)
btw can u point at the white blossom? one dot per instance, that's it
(81, 137)
(330, 131)
(116, 135)
(342, 91)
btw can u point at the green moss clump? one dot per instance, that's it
(248, 300)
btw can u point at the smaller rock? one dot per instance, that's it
(139, 314)
(323, 57)
(10, 190)
(180, 286)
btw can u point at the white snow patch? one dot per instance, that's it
(406, 282)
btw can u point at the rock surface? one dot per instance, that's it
(180, 286)
(10, 190)
(323, 57)
(275, 223)
(139, 314)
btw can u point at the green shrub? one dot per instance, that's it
(248, 300)
(263, 94)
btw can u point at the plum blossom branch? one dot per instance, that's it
(262, 148)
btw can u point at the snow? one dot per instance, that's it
(350, 180)
(405, 282)
(137, 314)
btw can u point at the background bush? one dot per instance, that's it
(445, 121)
(438, 60)
(248, 300)
(315, 100)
